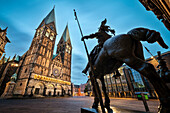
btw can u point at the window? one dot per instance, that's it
(38, 33)
(44, 42)
(50, 45)
(25, 70)
(52, 36)
(47, 34)
(41, 31)
(20, 84)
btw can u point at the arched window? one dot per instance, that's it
(25, 70)
(39, 60)
(47, 63)
(43, 62)
(49, 54)
(43, 51)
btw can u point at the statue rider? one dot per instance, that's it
(102, 35)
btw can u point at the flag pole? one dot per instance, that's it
(92, 76)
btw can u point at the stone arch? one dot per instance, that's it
(47, 63)
(43, 62)
(50, 54)
(50, 90)
(41, 50)
(65, 90)
(69, 90)
(36, 69)
(39, 60)
(40, 70)
(39, 89)
(59, 90)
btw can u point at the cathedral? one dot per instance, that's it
(40, 72)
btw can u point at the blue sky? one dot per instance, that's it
(23, 16)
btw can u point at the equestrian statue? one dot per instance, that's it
(112, 51)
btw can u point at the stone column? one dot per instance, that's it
(44, 92)
(54, 94)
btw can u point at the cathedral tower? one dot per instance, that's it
(64, 48)
(38, 58)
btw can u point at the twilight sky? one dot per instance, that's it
(23, 16)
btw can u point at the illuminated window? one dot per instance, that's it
(38, 33)
(51, 37)
(47, 34)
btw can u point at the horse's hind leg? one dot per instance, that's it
(107, 100)
(149, 72)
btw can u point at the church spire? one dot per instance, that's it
(66, 35)
(49, 21)
(50, 17)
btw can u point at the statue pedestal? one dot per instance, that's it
(92, 110)
(88, 110)
(8, 92)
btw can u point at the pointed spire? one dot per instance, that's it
(8, 58)
(5, 29)
(66, 35)
(3, 59)
(50, 17)
(14, 57)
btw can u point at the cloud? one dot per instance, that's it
(20, 41)
(78, 64)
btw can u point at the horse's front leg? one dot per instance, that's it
(96, 99)
(107, 100)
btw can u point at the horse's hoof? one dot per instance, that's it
(107, 106)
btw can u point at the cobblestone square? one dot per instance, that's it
(71, 105)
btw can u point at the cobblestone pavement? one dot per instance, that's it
(71, 105)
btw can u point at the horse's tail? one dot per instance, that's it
(151, 36)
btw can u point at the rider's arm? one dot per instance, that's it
(89, 36)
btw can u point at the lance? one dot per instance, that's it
(92, 76)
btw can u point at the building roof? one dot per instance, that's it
(66, 35)
(50, 17)
(49, 20)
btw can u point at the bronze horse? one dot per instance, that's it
(127, 48)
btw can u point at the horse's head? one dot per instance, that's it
(144, 34)
(138, 33)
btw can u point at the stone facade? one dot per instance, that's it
(7, 69)
(40, 73)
